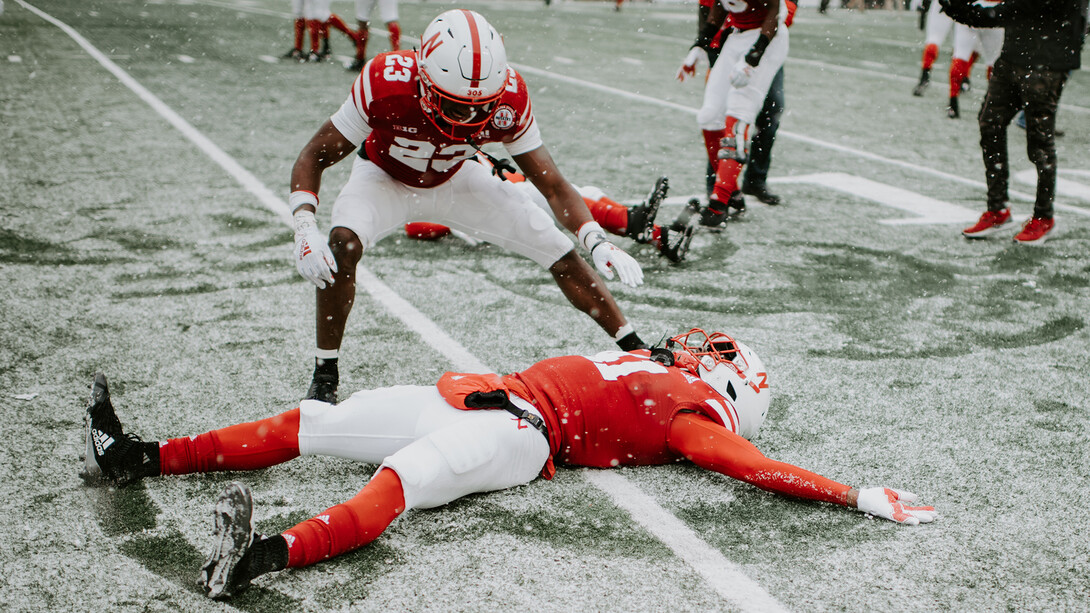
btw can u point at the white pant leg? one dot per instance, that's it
(363, 9)
(722, 99)
(965, 41)
(297, 8)
(440, 453)
(991, 44)
(938, 25)
(387, 10)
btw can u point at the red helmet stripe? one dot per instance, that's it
(475, 36)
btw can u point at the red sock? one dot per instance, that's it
(426, 231)
(395, 35)
(315, 28)
(712, 144)
(349, 525)
(930, 54)
(300, 27)
(727, 171)
(249, 446)
(612, 215)
(959, 69)
(338, 23)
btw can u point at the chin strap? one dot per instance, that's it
(499, 165)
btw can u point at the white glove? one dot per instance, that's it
(888, 504)
(741, 73)
(609, 257)
(688, 66)
(312, 255)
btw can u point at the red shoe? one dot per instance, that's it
(990, 223)
(1035, 230)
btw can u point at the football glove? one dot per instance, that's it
(313, 257)
(609, 257)
(741, 73)
(689, 65)
(889, 504)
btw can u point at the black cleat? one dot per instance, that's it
(323, 385)
(294, 54)
(314, 58)
(966, 85)
(921, 87)
(713, 215)
(641, 218)
(356, 65)
(674, 240)
(223, 574)
(760, 192)
(952, 109)
(111, 455)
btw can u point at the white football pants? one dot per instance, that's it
(722, 99)
(440, 453)
(374, 205)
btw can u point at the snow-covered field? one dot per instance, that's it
(899, 353)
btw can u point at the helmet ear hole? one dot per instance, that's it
(730, 391)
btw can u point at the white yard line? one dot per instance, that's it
(724, 577)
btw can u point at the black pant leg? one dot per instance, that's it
(1001, 103)
(1041, 91)
(768, 122)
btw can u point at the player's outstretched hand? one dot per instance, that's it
(741, 73)
(609, 257)
(690, 63)
(313, 257)
(890, 504)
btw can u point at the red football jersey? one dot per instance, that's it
(402, 139)
(604, 410)
(746, 14)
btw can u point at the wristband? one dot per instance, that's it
(591, 235)
(300, 197)
(754, 56)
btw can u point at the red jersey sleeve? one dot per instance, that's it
(711, 446)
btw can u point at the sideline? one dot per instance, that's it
(724, 576)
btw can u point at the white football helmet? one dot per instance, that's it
(730, 368)
(463, 71)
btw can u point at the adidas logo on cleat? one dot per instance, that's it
(102, 442)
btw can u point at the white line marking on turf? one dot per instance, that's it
(248, 181)
(724, 577)
(1064, 187)
(929, 210)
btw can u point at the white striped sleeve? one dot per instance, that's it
(351, 119)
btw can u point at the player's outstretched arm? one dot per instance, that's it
(711, 446)
(571, 212)
(313, 258)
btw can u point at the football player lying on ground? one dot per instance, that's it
(698, 399)
(636, 222)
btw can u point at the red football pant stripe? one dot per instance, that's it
(349, 525)
(249, 446)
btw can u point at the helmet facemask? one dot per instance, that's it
(729, 367)
(463, 72)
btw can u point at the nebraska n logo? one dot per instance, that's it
(431, 44)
